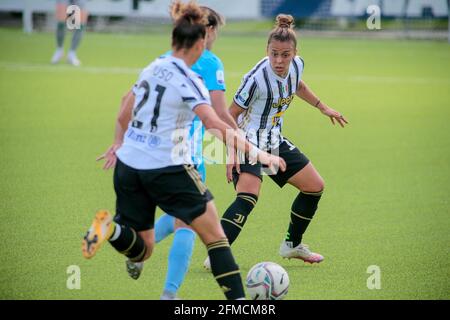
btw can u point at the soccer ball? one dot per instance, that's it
(267, 281)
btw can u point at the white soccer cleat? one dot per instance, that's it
(73, 59)
(99, 232)
(207, 264)
(299, 252)
(57, 56)
(134, 269)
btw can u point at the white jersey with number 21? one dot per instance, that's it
(165, 96)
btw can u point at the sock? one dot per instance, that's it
(225, 269)
(179, 259)
(60, 33)
(127, 242)
(235, 216)
(302, 211)
(164, 226)
(76, 38)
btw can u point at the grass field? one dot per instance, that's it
(387, 175)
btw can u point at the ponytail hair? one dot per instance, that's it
(284, 30)
(215, 19)
(189, 24)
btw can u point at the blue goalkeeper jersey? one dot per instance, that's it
(210, 68)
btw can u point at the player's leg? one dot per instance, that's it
(248, 185)
(223, 265)
(134, 268)
(182, 245)
(310, 184)
(184, 196)
(179, 259)
(165, 225)
(131, 233)
(78, 35)
(61, 6)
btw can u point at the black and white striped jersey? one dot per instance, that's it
(265, 97)
(166, 94)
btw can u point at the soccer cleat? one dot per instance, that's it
(100, 230)
(207, 264)
(73, 59)
(57, 56)
(299, 252)
(134, 269)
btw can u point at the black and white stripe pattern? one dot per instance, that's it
(249, 75)
(192, 83)
(268, 106)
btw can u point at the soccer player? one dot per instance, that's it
(61, 16)
(210, 68)
(258, 107)
(153, 163)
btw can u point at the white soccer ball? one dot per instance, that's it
(267, 281)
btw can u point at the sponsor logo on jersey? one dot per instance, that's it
(220, 77)
(283, 101)
(243, 97)
(153, 141)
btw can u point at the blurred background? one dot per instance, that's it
(416, 19)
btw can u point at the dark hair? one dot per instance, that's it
(284, 30)
(190, 24)
(214, 18)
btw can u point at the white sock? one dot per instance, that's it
(116, 233)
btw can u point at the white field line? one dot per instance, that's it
(42, 67)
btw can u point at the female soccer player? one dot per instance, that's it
(61, 16)
(258, 107)
(210, 68)
(153, 165)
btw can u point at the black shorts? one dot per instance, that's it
(177, 190)
(295, 161)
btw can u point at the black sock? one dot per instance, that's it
(234, 218)
(302, 211)
(225, 269)
(128, 243)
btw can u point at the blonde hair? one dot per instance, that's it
(284, 29)
(189, 24)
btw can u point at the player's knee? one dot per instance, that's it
(248, 184)
(316, 186)
(320, 185)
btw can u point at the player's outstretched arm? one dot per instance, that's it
(305, 93)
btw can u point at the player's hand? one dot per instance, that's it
(272, 162)
(110, 156)
(232, 162)
(334, 116)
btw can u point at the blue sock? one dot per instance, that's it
(179, 258)
(164, 226)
